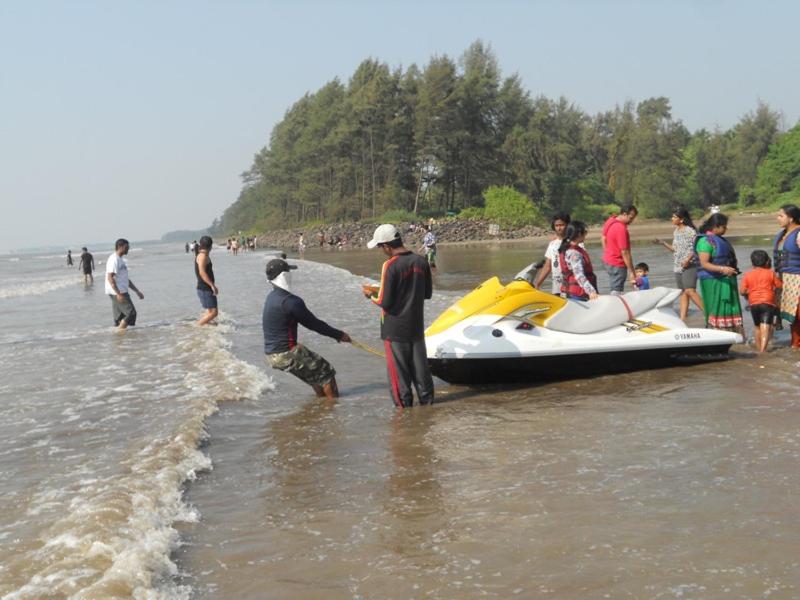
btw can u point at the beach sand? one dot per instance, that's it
(740, 224)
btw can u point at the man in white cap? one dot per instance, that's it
(405, 285)
(283, 310)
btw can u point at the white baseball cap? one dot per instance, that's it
(383, 234)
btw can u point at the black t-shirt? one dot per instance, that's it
(405, 285)
(87, 262)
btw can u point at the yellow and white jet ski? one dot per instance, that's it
(515, 333)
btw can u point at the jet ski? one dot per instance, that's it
(517, 334)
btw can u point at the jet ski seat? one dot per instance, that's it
(608, 311)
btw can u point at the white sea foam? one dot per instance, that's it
(117, 531)
(36, 288)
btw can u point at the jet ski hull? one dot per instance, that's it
(532, 369)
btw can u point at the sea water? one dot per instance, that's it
(171, 462)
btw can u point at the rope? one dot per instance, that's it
(366, 348)
(627, 308)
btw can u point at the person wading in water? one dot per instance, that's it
(207, 290)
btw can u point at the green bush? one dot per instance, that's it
(471, 212)
(791, 197)
(594, 213)
(509, 208)
(313, 223)
(747, 196)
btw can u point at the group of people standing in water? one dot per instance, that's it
(701, 255)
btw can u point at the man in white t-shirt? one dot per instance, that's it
(117, 285)
(551, 265)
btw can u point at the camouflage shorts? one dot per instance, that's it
(303, 364)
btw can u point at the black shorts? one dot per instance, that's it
(763, 313)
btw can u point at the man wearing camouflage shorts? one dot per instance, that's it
(283, 310)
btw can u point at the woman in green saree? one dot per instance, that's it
(717, 275)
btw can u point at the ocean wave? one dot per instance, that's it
(37, 288)
(115, 535)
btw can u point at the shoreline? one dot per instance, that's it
(645, 230)
(455, 233)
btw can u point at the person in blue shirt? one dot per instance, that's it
(283, 310)
(642, 278)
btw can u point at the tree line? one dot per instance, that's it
(432, 140)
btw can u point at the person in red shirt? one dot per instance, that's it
(759, 286)
(617, 248)
(612, 217)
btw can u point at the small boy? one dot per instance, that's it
(641, 271)
(758, 286)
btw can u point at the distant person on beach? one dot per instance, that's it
(69, 258)
(758, 287)
(117, 285)
(429, 246)
(86, 264)
(301, 244)
(207, 289)
(578, 281)
(283, 310)
(786, 250)
(617, 249)
(551, 265)
(187, 247)
(717, 274)
(684, 262)
(642, 272)
(195, 247)
(406, 283)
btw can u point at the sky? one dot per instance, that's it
(131, 119)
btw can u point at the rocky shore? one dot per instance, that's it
(356, 235)
(461, 231)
